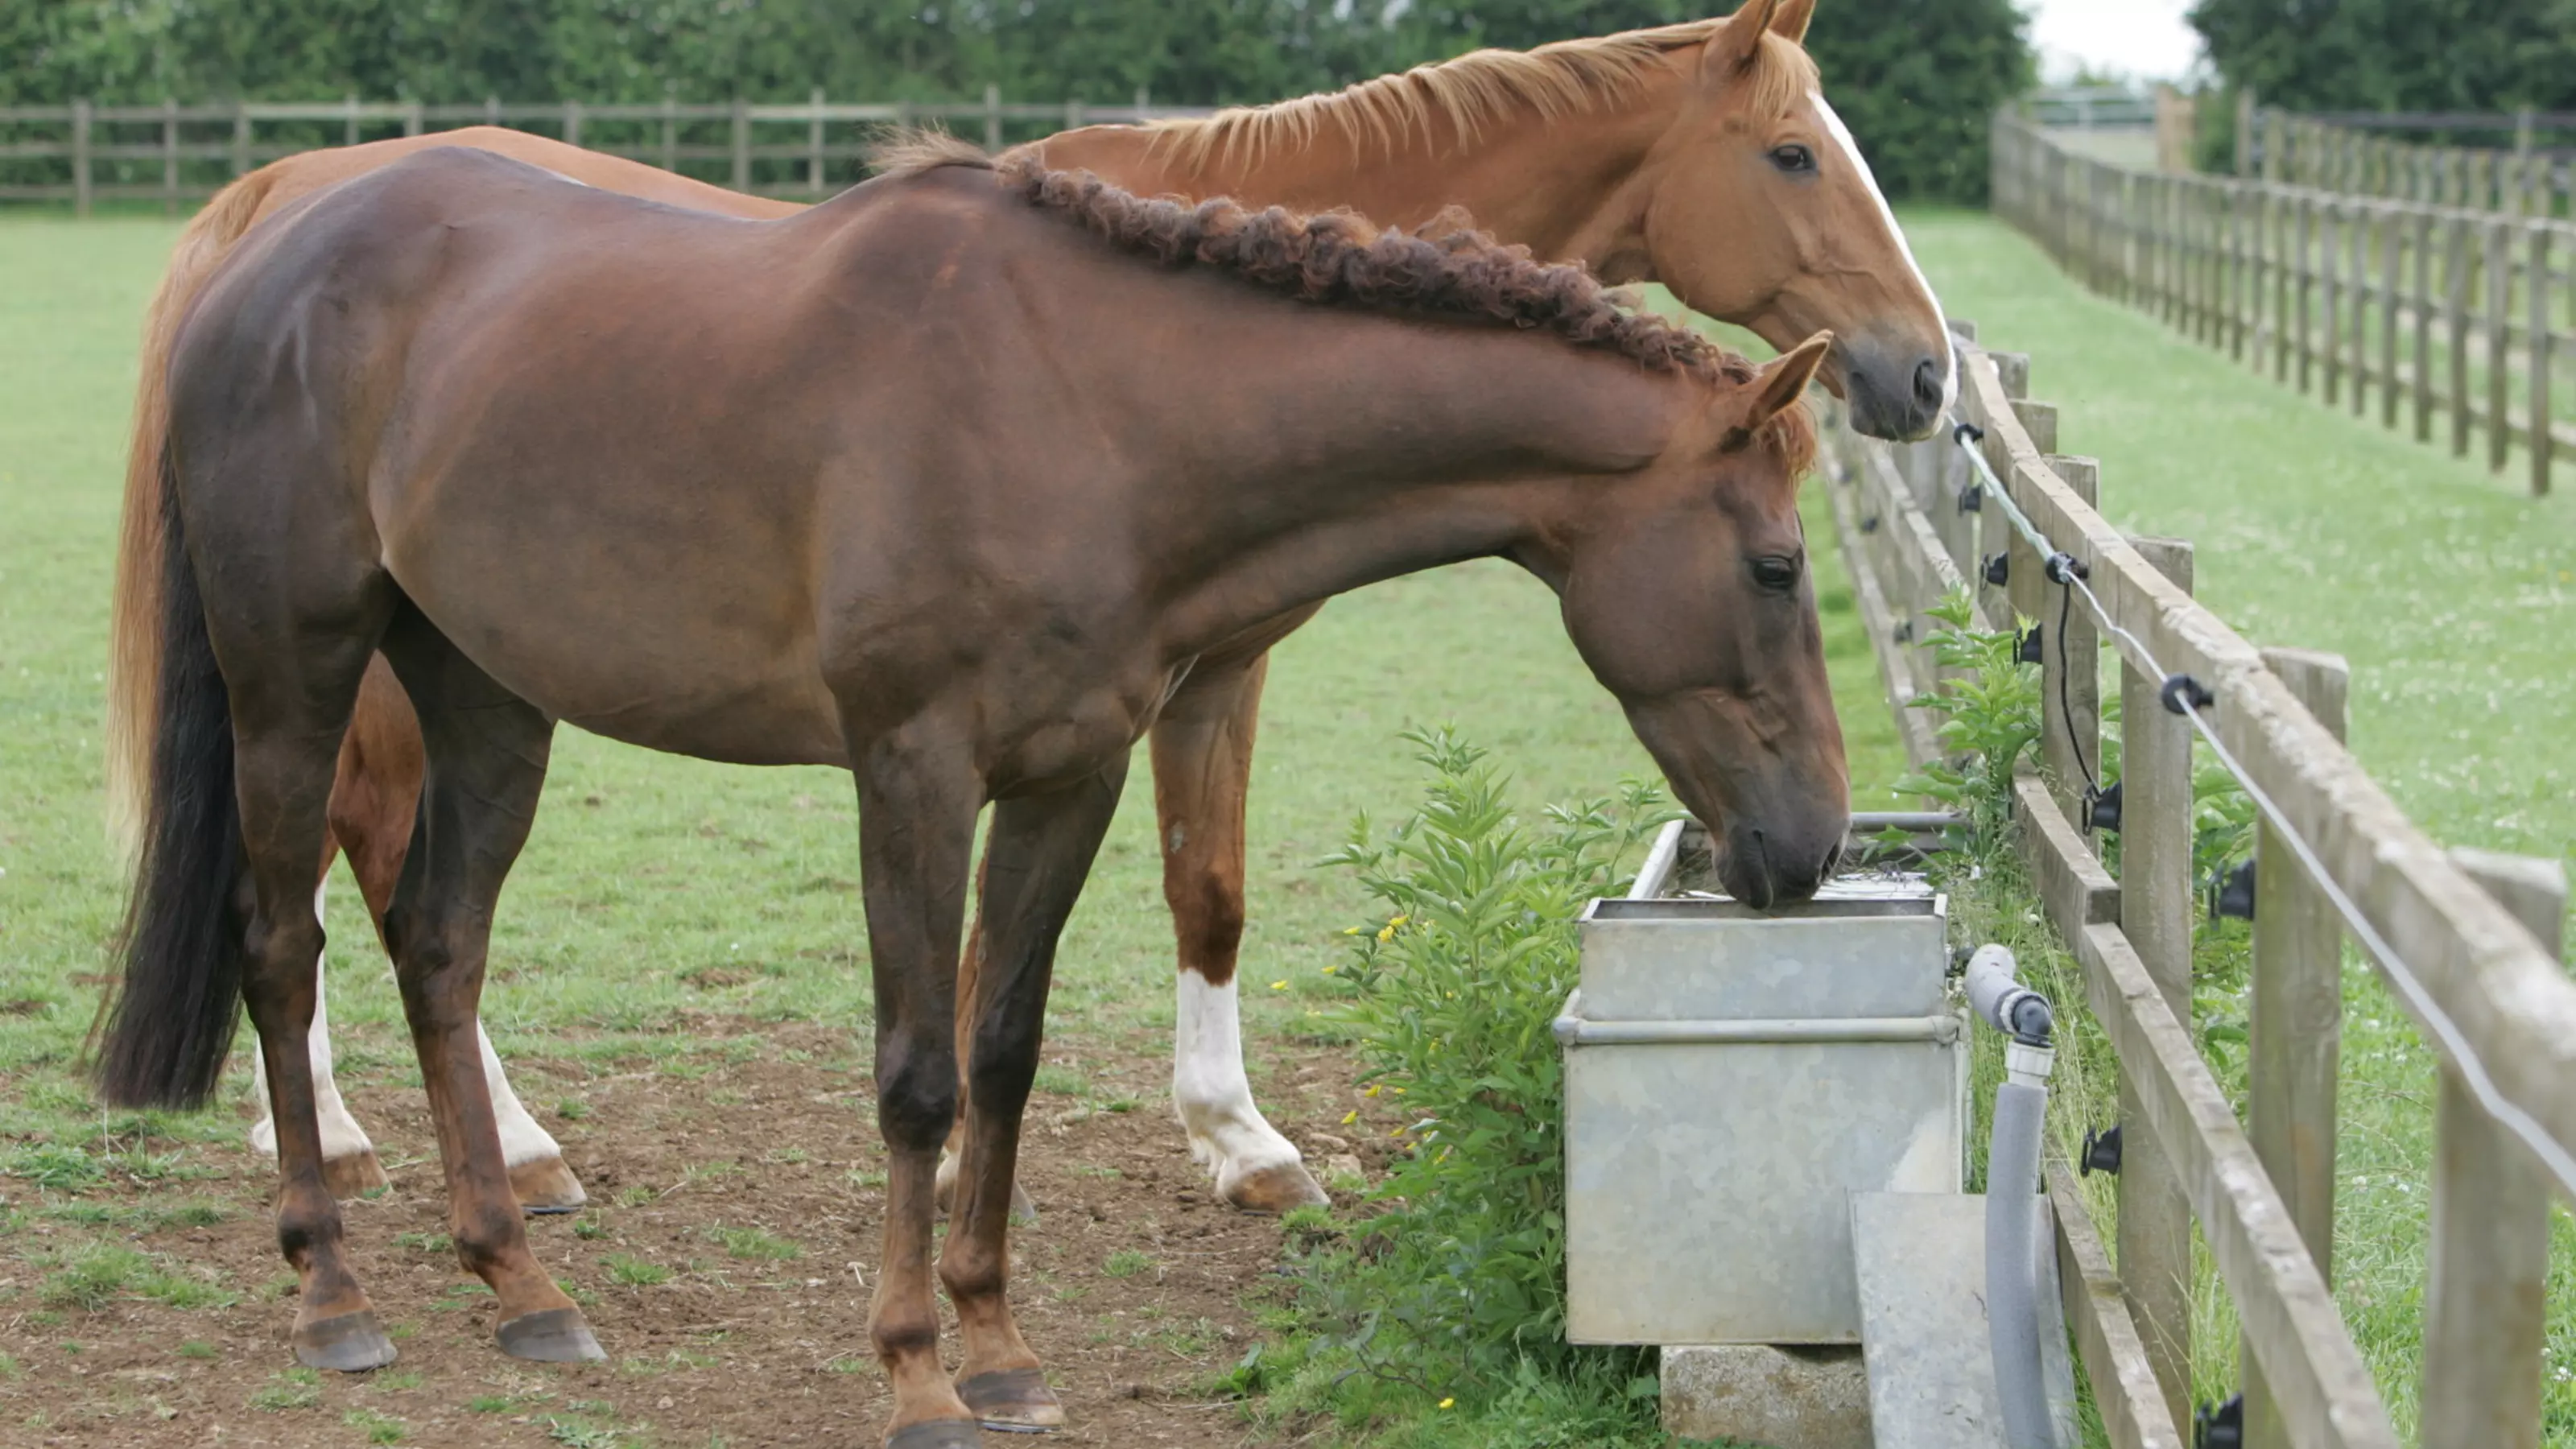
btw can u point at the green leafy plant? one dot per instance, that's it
(1989, 707)
(1458, 1279)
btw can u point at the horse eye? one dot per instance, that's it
(1776, 572)
(1793, 158)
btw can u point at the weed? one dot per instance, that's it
(752, 1243)
(1127, 1263)
(423, 1242)
(92, 1276)
(294, 1389)
(634, 1272)
(1061, 1081)
(394, 1382)
(590, 1229)
(572, 1109)
(53, 1166)
(490, 1403)
(636, 1196)
(379, 1428)
(196, 1348)
(789, 1156)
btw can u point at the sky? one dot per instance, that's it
(2146, 39)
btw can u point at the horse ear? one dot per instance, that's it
(1789, 21)
(1783, 380)
(1738, 42)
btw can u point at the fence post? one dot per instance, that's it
(2364, 223)
(2296, 1026)
(169, 155)
(2499, 290)
(2157, 907)
(992, 118)
(2539, 347)
(2392, 251)
(2070, 676)
(741, 145)
(2423, 229)
(80, 158)
(2455, 319)
(2330, 273)
(572, 123)
(814, 145)
(349, 122)
(2487, 1272)
(2306, 289)
(2244, 131)
(670, 130)
(414, 122)
(241, 137)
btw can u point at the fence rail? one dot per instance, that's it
(2476, 937)
(175, 154)
(2532, 173)
(2446, 311)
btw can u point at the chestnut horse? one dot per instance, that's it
(1700, 155)
(951, 481)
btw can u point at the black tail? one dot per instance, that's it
(169, 1028)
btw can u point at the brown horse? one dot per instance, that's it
(951, 481)
(1700, 155)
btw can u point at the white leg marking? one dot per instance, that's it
(522, 1140)
(1843, 138)
(1227, 1132)
(341, 1134)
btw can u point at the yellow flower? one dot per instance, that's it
(1374, 1087)
(1329, 970)
(1278, 985)
(1399, 1091)
(1445, 1403)
(1395, 921)
(1350, 1116)
(1386, 935)
(1353, 930)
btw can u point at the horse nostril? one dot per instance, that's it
(1930, 381)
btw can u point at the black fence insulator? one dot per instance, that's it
(1972, 499)
(1967, 433)
(2231, 892)
(1999, 570)
(1869, 524)
(2103, 810)
(2101, 1152)
(2181, 689)
(2026, 646)
(1903, 633)
(2221, 1426)
(2064, 568)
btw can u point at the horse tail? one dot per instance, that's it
(168, 1027)
(137, 615)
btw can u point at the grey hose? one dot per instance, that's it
(2012, 1307)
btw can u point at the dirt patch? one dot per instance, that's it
(724, 1260)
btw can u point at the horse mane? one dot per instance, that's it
(1560, 79)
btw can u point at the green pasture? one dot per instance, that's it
(2454, 597)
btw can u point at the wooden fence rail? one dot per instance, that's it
(2477, 936)
(2461, 319)
(175, 154)
(2336, 154)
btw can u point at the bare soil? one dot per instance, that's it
(756, 1188)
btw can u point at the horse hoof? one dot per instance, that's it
(546, 1186)
(1274, 1190)
(1012, 1401)
(551, 1335)
(348, 1343)
(355, 1175)
(936, 1434)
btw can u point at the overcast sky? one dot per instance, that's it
(2147, 39)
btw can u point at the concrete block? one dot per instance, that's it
(1778, 1398)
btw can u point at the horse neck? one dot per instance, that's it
(1386, 450)
(1567, 188)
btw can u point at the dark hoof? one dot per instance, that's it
(1013, 1401)
(936, 1434)
(348, 1343)
(553, 1335)
(546, 1186)
(354, 1176)
(1274, 1190)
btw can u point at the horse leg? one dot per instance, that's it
(918, 795)
(970, 967)
(1035, 862)
(373, 803)
(290, 706)
(486, 752)
(1202, 747)
(349, 1164)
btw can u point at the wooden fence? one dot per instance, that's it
(2349, 154)
(2441, 309)
(2477, 938)
(175, 154)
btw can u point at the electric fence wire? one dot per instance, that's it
(2177, 691)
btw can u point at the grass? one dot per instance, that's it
(632, 1272)
(2451, 593)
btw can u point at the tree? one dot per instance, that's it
(2431, 55)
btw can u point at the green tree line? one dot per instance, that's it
(2395, 55)
(1914, 79)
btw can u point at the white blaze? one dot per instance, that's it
(1843, 138)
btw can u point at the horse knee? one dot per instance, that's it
(916, 1091)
